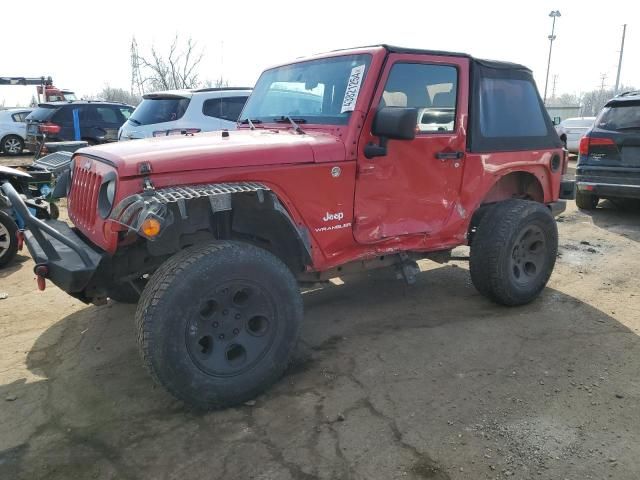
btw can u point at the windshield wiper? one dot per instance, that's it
(250, 122)
(294, 123)
(134, 121)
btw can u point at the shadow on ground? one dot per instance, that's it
(390, 381)
(15, 265)
(621, 219)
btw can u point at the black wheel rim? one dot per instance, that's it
(231, 329)
(528, 256)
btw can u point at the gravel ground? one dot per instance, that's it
(429, 381)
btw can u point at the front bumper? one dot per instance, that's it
(60, 254)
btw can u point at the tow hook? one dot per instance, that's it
(41, 272)
(20, 239)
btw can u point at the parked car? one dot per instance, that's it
(185, 111)
(13, 130)
(213, 234)
(98, 122)
(571, 130)
(609, 157)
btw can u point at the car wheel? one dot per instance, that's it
(12, 145)
(217, 323)
(514, 251)
(8, 239)
(586, 201)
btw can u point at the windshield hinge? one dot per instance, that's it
(147, 186)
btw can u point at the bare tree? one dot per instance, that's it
(175, 70)
(218, 83)
(593, 101)
(111, 94)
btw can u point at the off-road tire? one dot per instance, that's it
(8, 239)
(586, 201)
(192, 295)
(514, 251)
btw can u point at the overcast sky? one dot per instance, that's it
(85, 45)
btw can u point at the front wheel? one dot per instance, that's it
(8, 239)
(514, 251)
(217, 323)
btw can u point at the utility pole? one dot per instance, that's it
(624, 32)
(553, 88)
(603, 77)
(554, 14)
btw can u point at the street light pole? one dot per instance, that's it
(554, 14)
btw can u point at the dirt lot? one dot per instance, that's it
(429, 381)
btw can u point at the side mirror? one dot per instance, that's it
(395, 123)
(557, 120)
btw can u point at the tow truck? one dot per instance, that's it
(47, 92)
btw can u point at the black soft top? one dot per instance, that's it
(486, 63)
(504, 114)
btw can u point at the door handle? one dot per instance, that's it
(449, 155)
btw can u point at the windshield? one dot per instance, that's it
(317, 91)
(42, 113)
(620, 117)
(159, 110)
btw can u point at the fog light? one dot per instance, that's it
(150, 227)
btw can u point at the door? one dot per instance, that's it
(414, 188)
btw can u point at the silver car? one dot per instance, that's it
(571, 130)
(185, 111)
(13, 130)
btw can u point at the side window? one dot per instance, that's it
(63, 115)
(510, 108)
(225, 108)
(19, 117)
(107, 115)
(432, 89)
(126, 112)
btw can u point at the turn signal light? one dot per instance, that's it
(150, 227)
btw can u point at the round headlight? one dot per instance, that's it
(105, 197)
(111, 191)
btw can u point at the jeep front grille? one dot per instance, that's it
(83, 197)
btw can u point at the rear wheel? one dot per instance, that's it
(218, 322)
(8, 239)
(514, 251)
(12, 145)
(586, 201)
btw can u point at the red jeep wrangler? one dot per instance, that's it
(349, 160)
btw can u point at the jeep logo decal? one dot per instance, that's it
(333, 216)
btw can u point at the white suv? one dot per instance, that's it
(13, 130)
(176, 111)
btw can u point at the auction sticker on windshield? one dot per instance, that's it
(353, 88)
